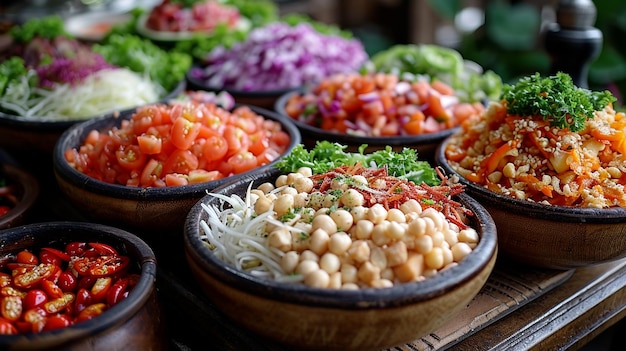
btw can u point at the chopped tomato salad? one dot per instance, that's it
(380, 104)
(57, 288)
(180, 143)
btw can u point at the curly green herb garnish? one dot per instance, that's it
(556, 99)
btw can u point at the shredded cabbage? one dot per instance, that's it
(104, 91)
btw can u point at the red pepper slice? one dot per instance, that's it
(58, 305)
(33, 276)
(104, 249)
(58, 253)
(91, 311)
(11, 307)
(100, 288)
(117, 290)
(102, 266)
(52, 290)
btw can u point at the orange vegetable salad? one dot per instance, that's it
(527, 158)
(178, 144)
(380, 104)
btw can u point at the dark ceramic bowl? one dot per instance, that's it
(265, 99)
(40, 136)
(26, 187)
(132, 324)
(161, 209)
(425, 144)
(303, 317)
(547, 236)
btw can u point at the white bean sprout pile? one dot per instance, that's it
(350, 228)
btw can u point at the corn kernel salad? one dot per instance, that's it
(349, 228)
(546, 141)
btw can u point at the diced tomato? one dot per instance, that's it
(131, 158)
(149, 144)
(215, 148)
(243, 161)
(184, 133)
(180, 161)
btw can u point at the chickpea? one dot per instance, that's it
(396, 215)
(352, 198)
(378, 257)
(330, 262)
(280, 239)
(324, 222)
(434, 259)
(450, 236)
(305, 171)
(309, 255)
(423, 244)
(266, 187)
(396, 254)
(411, 206)
(377, 213)
(448, 257)
(339, 243)
(358, 213)
(410, 270)
(303, 185)
(299, 241)
(258, 193)
(330, 200)
(379, 184)
(300, 200)
(379, 233)
(316, 199)
(262, 205)
(343, 219)
(359, 180)
(348, 273)
(307, 266)
(395, 230)
(460, 251)
(289, 191)
(381, 283)
(335, 281)
(349, 286)
(438, 238)
(388, 274)
(368, 272)
(307, 214)
(319, 240)
(292, 177)
(281, 180)
(338, 184)
(359, 251)
(289, 261)
(469, 236)
(283, 204)
(363, 229)
(417, 227)
(317, 279)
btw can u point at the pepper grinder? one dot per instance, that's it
(573, 42)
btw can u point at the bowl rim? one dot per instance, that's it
(113, 316)
(64, 171)
(30, 193)
(236, 93)
(37, 123)
(529, 208)
(398, 140)
(368, 298)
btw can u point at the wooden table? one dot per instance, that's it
(518, 308)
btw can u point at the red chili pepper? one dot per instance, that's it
(4, 210)
(58, 253)
(91, 311)
(116, 292)
(104, 249)
(33, 276)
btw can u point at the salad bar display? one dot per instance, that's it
(281, 188)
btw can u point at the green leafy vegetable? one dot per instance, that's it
(327, 155)
(556, 99)
(294, 19)
(11, 69)
(48, 27)
(168, 68)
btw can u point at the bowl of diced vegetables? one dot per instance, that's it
(377, 109)
(547, 162)
(79, 286)
(19, 191)
(52, 80)
(145, 169)
(327, 250)
(274, 59)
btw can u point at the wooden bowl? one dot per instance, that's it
(556, 237)
(303, 317)
(161, 209)
(40, 136)
(134, 323)
(425, 144)
(26, 187)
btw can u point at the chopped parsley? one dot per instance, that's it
(556, 99)
(327, 155)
